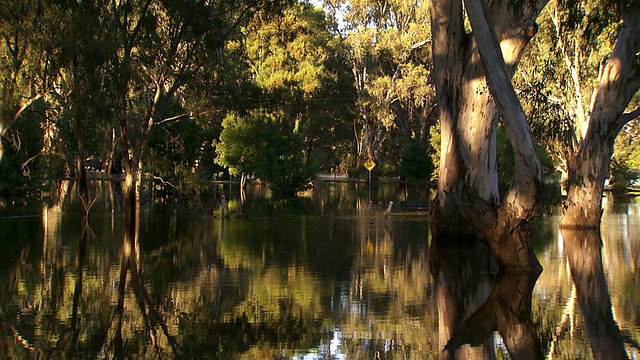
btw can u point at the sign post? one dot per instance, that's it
(369, 164)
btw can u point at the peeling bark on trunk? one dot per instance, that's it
(510, 238)
(468, 116)
(588, 170)
(467, 188)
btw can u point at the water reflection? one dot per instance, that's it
(583, 248)
(475, 300)
(323, 277)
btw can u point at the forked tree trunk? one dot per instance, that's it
(467, 201)
(468, 116)
(619, 81)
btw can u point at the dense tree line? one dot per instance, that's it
(190, 89)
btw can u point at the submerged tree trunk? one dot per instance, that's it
(619, 81)
(471, 72)
(468, 116)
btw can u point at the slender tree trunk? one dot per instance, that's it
(81, 171)
(588, 170)
(1, 146)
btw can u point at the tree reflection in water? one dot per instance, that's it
(289, 283)
(151, 318)
(475, 299)
(583, 249)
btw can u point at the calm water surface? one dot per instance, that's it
(321, 277)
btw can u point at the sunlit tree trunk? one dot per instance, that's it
(468, 67)
(468, 117)
(619, 81)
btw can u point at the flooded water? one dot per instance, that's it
(326, 276)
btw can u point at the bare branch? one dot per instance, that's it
(173, 118)
(19, 112)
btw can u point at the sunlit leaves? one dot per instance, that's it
(385, 45)
(268, 147)
(289, 53)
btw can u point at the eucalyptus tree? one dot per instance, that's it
(23, 61)
(290, 61)
(473, 67)
(78, 114)
(469, 119)
(159, 50)
(585, 94)
(386, 47)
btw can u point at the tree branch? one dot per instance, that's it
(19, 112)
(523, 191)
(627, 117)
(172, 118)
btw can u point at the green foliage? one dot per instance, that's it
(180, 153)
(386, 46)
(506, 167)
(282, 162)
(22, 171)
(291, 61)
(621, 177)
(415, 163)
(267, 147)
(240, 143)
(626, 149)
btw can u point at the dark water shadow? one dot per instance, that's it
(475, 299)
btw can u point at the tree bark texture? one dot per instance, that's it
(467, 201)
(619, 81)
(468, 116)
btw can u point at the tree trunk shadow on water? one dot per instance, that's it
(151, 317)
(475, 298)
(583, 249)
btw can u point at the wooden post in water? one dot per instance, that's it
(388, 211)
(223, 206)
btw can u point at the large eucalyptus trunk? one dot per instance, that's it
(468, 116)
(473, 73)
(619, 81)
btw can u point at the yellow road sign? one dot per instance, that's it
(369, 164)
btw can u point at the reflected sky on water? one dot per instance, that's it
(325, 276)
